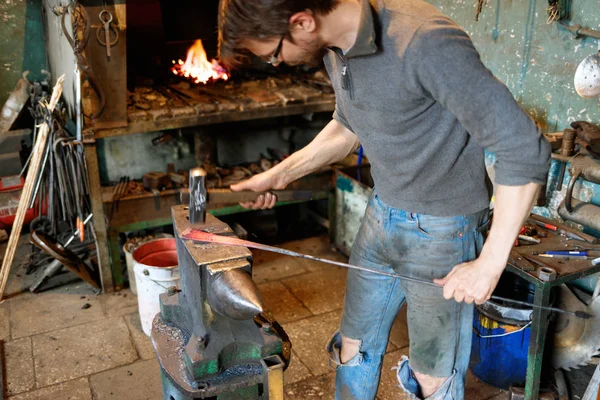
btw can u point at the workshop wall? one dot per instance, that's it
(22, 43)
(135, 155)
(536, 60)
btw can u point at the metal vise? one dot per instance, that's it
(212, 339)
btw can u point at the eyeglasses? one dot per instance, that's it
(274, 60)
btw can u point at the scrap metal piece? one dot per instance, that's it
(51, 270)
(234, 294)
(576, 340)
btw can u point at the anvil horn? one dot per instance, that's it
(234, 294)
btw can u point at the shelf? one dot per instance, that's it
(183, 105)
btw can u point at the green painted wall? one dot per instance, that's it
(536, 60)
(22, 43)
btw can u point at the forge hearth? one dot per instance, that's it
(142, 86)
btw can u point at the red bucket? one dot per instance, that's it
(157, 253)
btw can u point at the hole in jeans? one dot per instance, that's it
(350, 349)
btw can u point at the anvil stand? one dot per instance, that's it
(208, 345)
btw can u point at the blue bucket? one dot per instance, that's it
(500, 345)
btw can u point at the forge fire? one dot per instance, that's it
(197, 68)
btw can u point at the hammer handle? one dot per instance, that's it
(226, 196)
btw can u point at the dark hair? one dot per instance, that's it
(258, 19)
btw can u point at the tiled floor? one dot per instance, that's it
(55, 349)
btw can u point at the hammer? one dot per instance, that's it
(200, 197)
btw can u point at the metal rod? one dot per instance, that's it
(578, 314)
(40, 176)
(202, 236)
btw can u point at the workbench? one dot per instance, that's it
(566, 271)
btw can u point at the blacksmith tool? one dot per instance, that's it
(55, 266)
(557, 230)
(40, 145)
(529, 239)
(106, 19)
(196, 235)
(227, 196)
(544, 225)
(65, 256)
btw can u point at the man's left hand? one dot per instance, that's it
(470, 282)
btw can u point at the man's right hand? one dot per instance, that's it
(332, 144)
(261, 183)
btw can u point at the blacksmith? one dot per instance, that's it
(412, 90)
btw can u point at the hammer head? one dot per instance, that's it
(197, 195)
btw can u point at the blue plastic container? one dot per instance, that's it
(500, 345)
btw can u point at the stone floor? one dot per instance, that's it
(58, 349)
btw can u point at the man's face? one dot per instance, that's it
(305, 49)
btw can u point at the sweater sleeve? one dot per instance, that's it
(442, 63)
(338, 115)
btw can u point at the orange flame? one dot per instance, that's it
(197, 67)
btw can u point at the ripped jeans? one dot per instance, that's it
(421, 246)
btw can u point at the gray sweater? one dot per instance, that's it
(415, 92)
